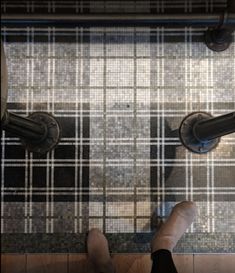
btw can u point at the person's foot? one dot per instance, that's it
(98, 252)
(171, 231)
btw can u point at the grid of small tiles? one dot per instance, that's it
(118, 93)
(115, 92)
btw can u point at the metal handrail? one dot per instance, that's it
(128, 20)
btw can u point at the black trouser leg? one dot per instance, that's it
(163, 262)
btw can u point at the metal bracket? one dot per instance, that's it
(219, 39)
(39, 132)
(52, 137)
(187, 137)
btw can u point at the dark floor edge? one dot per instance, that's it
(119, 243)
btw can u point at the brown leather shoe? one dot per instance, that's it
(98, 252)
(175, 226)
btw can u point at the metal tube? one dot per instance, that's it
(24, 127)
(209, 129)
(231, 5)
(105, 20)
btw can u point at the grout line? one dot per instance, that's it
(186, 110)
(104, 132)
(26, 151)
(212, 152)
(158, 126)
(163, 124)
(52, 111)
(47, 156)
(208, 155)
(76, 143)
(191, 110)
(135, 132)
(72, 57)
(81, 135)
(31, 154)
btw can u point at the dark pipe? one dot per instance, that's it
(231, 5)
(164, 20)
(24, 127)
(215, 127)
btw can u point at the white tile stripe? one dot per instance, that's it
(163, 122)
(148, 140)
(208, 155)
(191, 109)
(124, 164)
(212, 152)
(2, 179)
(118, 141)
(26, 152)
(76, 143)
(186, 110)
(135, 126)
(139, 188)
(30, 154)
(158, 123)
(164, 191)
(108, 144)
(104, 129)
(48, 156)
(130, 160)
(81, 129)
(52, 112)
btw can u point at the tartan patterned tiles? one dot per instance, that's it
(89, 6)
(118, 94)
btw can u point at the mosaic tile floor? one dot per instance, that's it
(118, 93)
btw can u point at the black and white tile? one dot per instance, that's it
(118, 93)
